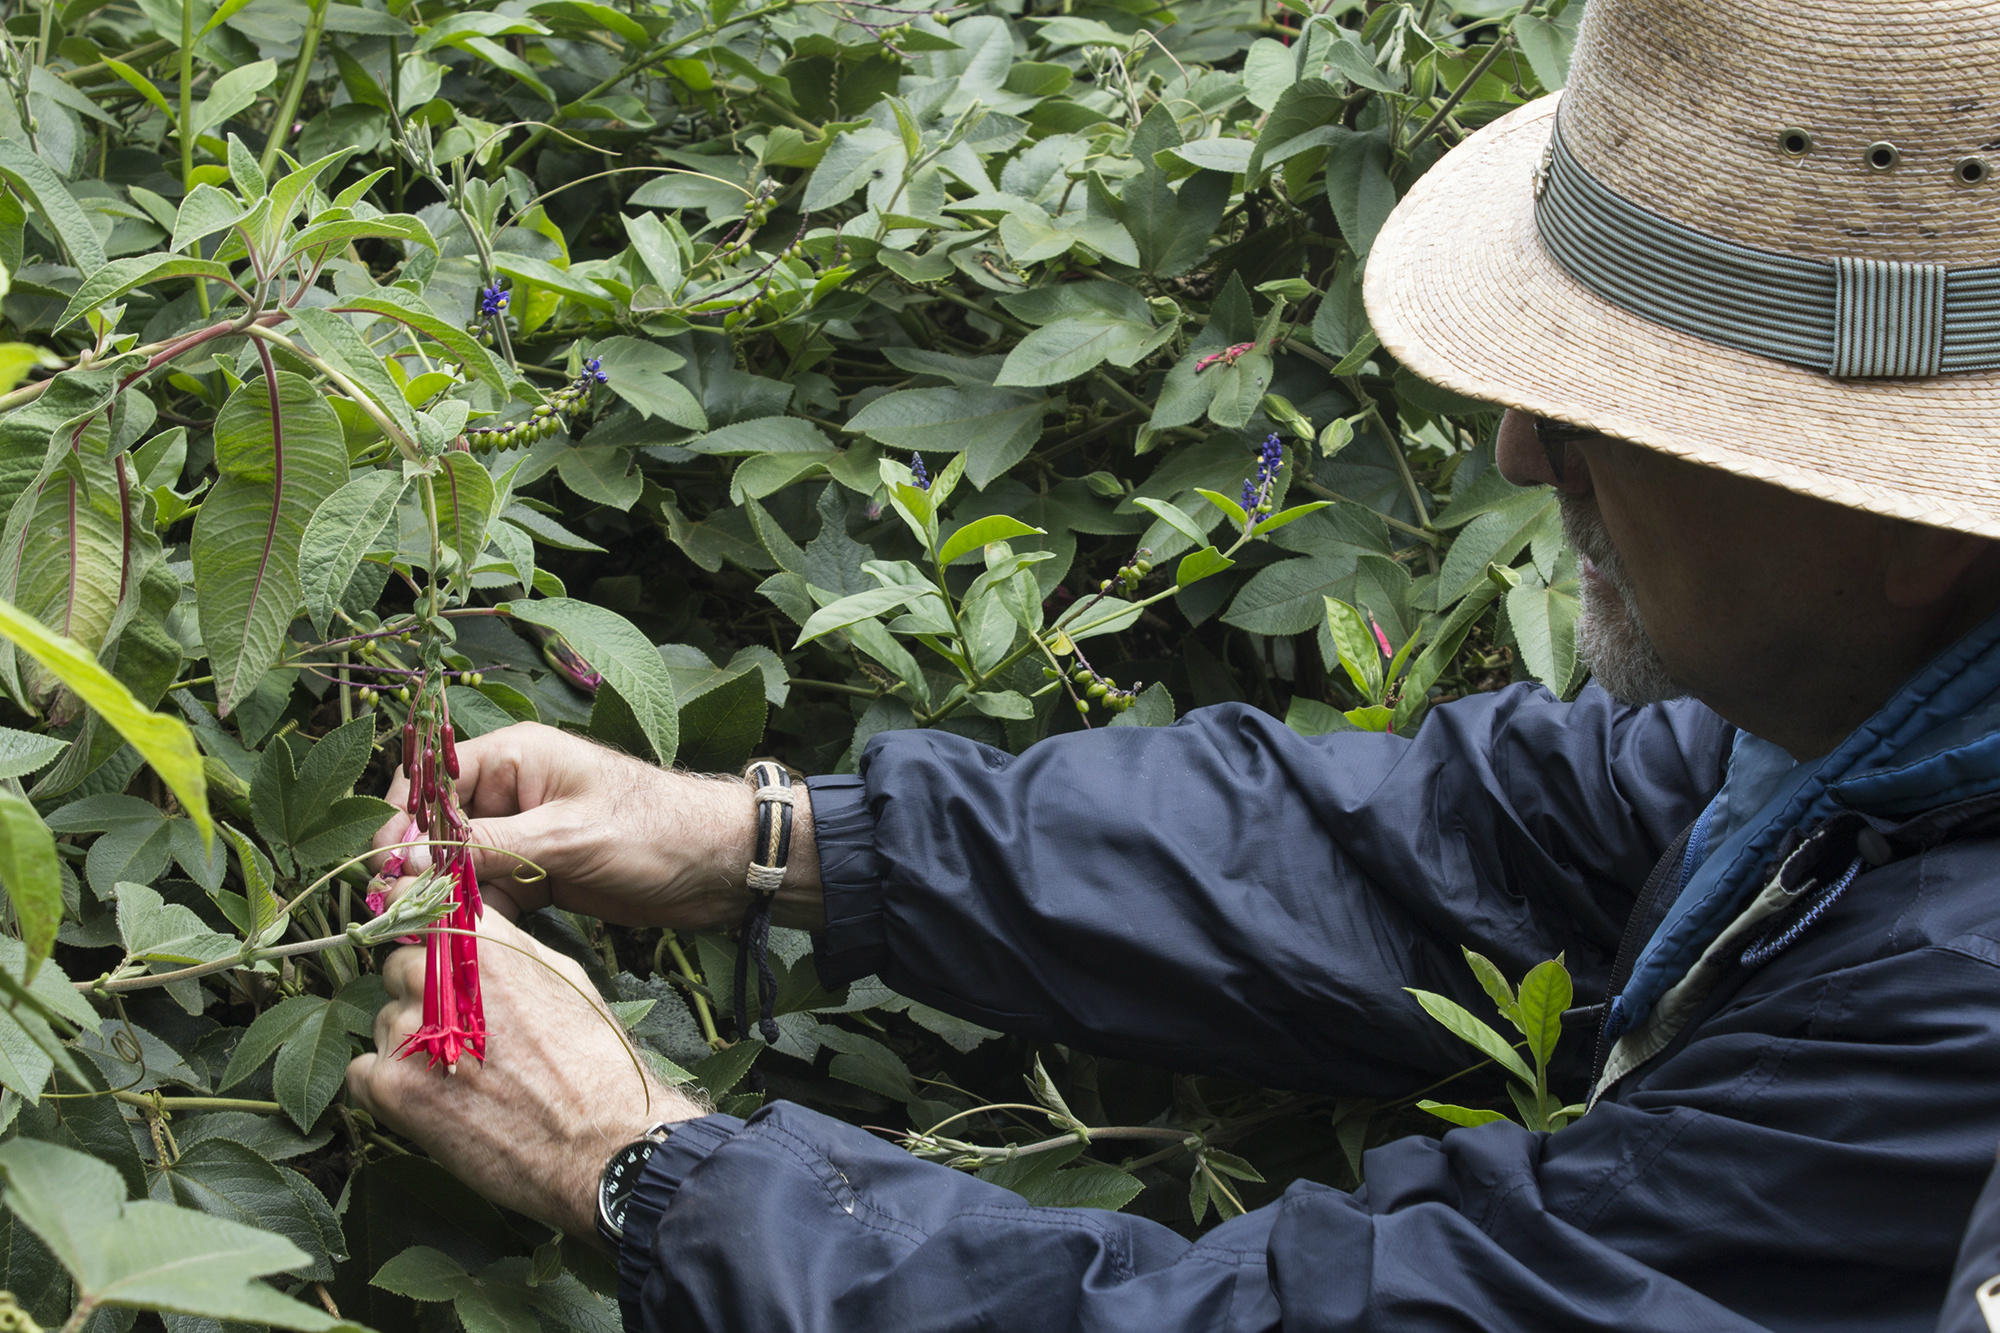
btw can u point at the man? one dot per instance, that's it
(1750, 271)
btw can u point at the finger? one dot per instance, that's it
(403, 973)
(360, 1082)
(395, 1021)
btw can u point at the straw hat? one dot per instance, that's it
(1763, 235)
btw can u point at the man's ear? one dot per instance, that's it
(1923, 566)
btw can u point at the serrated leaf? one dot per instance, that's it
(272, 1029)
(312, 1065)
(22, 752)
(46, 191)
(412, 310)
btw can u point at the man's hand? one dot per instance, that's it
(619, 839)
(560, 1091)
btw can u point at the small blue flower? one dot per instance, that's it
(593, 370)
(922, 478)
(1257, 490)
(492, 300)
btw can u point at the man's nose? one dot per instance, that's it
(1524, 460)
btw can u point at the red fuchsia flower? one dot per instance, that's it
(454, 1023)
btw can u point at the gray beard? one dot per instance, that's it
(1611, 635)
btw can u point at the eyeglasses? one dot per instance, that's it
(1556, 437)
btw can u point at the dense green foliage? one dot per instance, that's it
(718, 379)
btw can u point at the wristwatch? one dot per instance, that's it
(621, 1180)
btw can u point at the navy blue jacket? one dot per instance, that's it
(1226, 896)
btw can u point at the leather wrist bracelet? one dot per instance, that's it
(768, 856)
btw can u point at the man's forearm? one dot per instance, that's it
(726, 830)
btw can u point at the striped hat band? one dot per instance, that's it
(1851, 318)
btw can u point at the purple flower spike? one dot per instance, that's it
(492, 300)
(923, 478)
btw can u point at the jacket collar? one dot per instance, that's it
(1932, 743)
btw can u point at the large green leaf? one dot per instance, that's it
(341, 531)
(165, 742)
(247, 536)
(148, 1255)
(120, 276)
(233, 1181)
(412, 310)
(465, 496)
(1545, 993)
(994, 428)
(628, 661)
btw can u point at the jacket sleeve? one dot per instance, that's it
(1978, 1264)
(1226, 896)
(1806, 1160)
(797, 1222)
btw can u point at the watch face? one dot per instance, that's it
(620, 1179)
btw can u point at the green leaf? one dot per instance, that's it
(982, 532)
(31, 876)
(640, 373)
(411, 309)
(1228, 506)
(860, 606)
(1495, 985)
(1360, 655)
(1086, 1185)
(340, 346)
(204, 211)
(120, 276)
(147, 1255)
(994, 428)
(229, 1179)
(243, 167)
(1285, 516)
(624, 656)
(1198, 565)
(232, 93)
(1474, 1033)
(45, 190)
(1459, 1115)
(313, 1063)
(1545, 993)
(1358, 186)
(465, 495)
(721, 726)
(22, 752)
(343, 530)
(275, 475)
(762, 435)
(1544, 620)
(272, 1029)
(1175, 518)
(165, 742)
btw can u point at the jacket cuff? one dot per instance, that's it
(685, 1149)
(855, 943)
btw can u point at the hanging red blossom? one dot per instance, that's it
(454, 1018)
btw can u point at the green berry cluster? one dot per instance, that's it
(1128, 576)
(1091, 686)
(544, 420)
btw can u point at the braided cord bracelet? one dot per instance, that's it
(773, 847)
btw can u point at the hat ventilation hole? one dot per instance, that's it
(1795, 142)
(1882, 156)
(1971, 171)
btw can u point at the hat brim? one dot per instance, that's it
(1460, 290)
